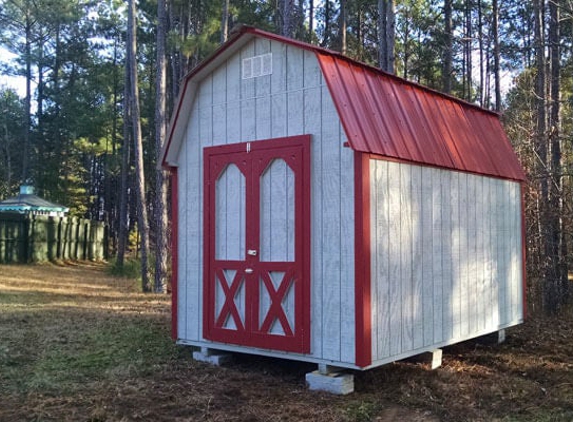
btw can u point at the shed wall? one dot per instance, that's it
(293, 100)
(446, 257)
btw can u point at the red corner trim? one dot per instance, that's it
(362, 260)
(523, 251)
(208, 240)
(174, 250)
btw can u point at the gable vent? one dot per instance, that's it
(256, 66)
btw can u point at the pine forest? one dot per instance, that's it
(98, 81)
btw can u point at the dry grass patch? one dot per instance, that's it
(77, 344)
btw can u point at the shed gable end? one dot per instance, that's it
(293, 100)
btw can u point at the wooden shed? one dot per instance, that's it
(329, 212)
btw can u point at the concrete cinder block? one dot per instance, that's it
(496, 337)
(340, 383)
(213, 357)
(436, 356)
(433, 357)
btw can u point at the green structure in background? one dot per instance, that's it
(35, 230)
(28, 203)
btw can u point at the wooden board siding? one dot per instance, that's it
(446, 257)
(293, 100)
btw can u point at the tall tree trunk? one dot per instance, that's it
(549, 291)
(27, 101)
(138, 147)
(284, 17)
(41, 98)
(299, 21)
(386, 35)
(310, 20)
(406, 44)
(390, 35)
(161, 247)
(481, 54)
(224, 21)
(342, 26)
(468, 65)
(123, 231)
(557, 237)
(176, 56)
(8, 156)
(111, 188)
(327, 23)
(496, 54)
(448, 53)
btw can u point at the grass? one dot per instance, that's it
(78, 344)
(63, 328)
(131, 268)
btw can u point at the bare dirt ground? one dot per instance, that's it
(79, 345)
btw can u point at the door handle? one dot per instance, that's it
(252, 252)
(249, 271)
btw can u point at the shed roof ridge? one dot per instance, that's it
(242, 29)
(439, 143)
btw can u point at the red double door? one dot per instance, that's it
(257, 244)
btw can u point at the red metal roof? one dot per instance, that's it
(389, 116)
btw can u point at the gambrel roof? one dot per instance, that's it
(382, 114)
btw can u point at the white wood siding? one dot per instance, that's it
(446, 257)
(293, 100)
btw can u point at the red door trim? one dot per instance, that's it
(247, 335)
(174, 250)
(362, 259)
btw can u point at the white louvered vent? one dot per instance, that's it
(256, 66)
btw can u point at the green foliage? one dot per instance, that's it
(131, 268)
(11, 132)
(77, 54)
(362, 411)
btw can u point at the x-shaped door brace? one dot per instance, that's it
(229, 307)
(276, 310)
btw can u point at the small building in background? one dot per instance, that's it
(26, 202)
